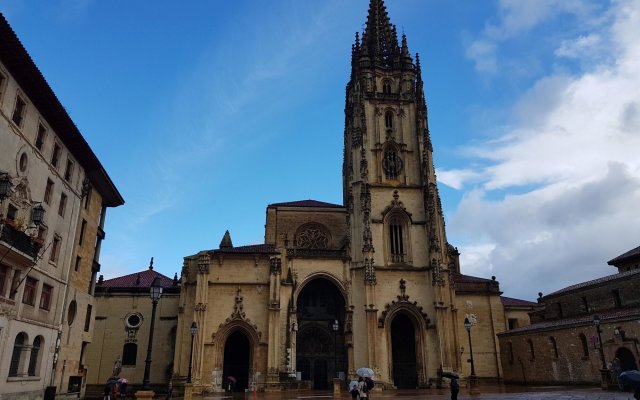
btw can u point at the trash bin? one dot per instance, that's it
(50, 393)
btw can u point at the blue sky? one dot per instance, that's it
(205, 112)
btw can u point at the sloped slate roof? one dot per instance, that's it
(469, 279)
(577, 321)
(622, 257)
(251, 249)
(21, 66)
(306, 203)
(511, 302)
(596, 282)
(146, 278)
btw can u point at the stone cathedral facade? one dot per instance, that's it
(371, 282)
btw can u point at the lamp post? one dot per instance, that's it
(472, 378)
(194, 329)
(155, 292)
(596, 322)
(335, 327)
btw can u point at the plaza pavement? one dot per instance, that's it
(486, 392)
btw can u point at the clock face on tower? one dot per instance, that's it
(392, 164)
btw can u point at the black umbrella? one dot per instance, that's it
(450, 375)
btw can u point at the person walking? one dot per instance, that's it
(363, 389)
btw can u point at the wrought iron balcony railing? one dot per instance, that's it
(19, 240)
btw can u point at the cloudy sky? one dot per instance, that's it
(205, 112)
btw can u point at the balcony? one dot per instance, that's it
(14, 239)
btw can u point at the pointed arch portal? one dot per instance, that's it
(237, 354)
(627, 360)
(403, 352)
(320, 351)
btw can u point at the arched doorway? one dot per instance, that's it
(320, 350)
(403, 352)
(627, 360)
(237, 355)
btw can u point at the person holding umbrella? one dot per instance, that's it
(353, 389)
(455, 388)
(122, 387)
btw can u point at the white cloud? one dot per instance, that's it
(456, 178)
(572, 155)
(580, 47)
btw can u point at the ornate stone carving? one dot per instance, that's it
(203, 264)
(402, 302)
(313, 237)
(200, 307)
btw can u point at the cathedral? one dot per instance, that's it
(372, 282)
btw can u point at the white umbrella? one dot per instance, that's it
(365, 372)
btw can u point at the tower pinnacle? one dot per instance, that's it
(380, 40)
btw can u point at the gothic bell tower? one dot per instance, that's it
(394, 215)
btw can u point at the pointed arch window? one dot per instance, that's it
(532, 353)
(392, 163)
(388, 120)
(510, 352)
(397, 238)
(386, 87)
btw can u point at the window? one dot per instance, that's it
(68, 172)
(559, 308)
(24, 162)
(18, 112)
(83, 227)
(48, 191)
(45, 297)
(396, 241)
(12, 213)
(617, 300)
(16, 356)
(397, 236)
(87, 320)
(34, 359)
(55, 249)
(510, 352)
(388, 120)
(386, 87)
(14, 285)
(391, 163)
(554, 346)
(585, 346)
(585, 304)
(77, 266)
(532, 352)
(40, 136)
(3, 279)
(55, 156)
(129, 354)
(29, 295)
(71, 312)
(513, 323)
(63, 204)
(3, 80)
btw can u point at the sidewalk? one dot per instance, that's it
(486, 392)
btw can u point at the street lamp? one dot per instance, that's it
(194, 329)
(596, 322)
(155, 292)
(472, 378)
(335, 327)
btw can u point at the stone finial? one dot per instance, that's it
(151, 264)
(100, 279)
(226, 243)
(175, 279)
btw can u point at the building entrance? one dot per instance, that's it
(235, 372)
(627, 360)
(403, 345)
(320, 350)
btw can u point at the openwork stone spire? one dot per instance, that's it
(380, 39)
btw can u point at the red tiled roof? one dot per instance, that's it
(306, 203)
(596, 282)
(622, 257)
(145, 279)
(511, 302)
(577, 321)
(251, 249)
(469, 279)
